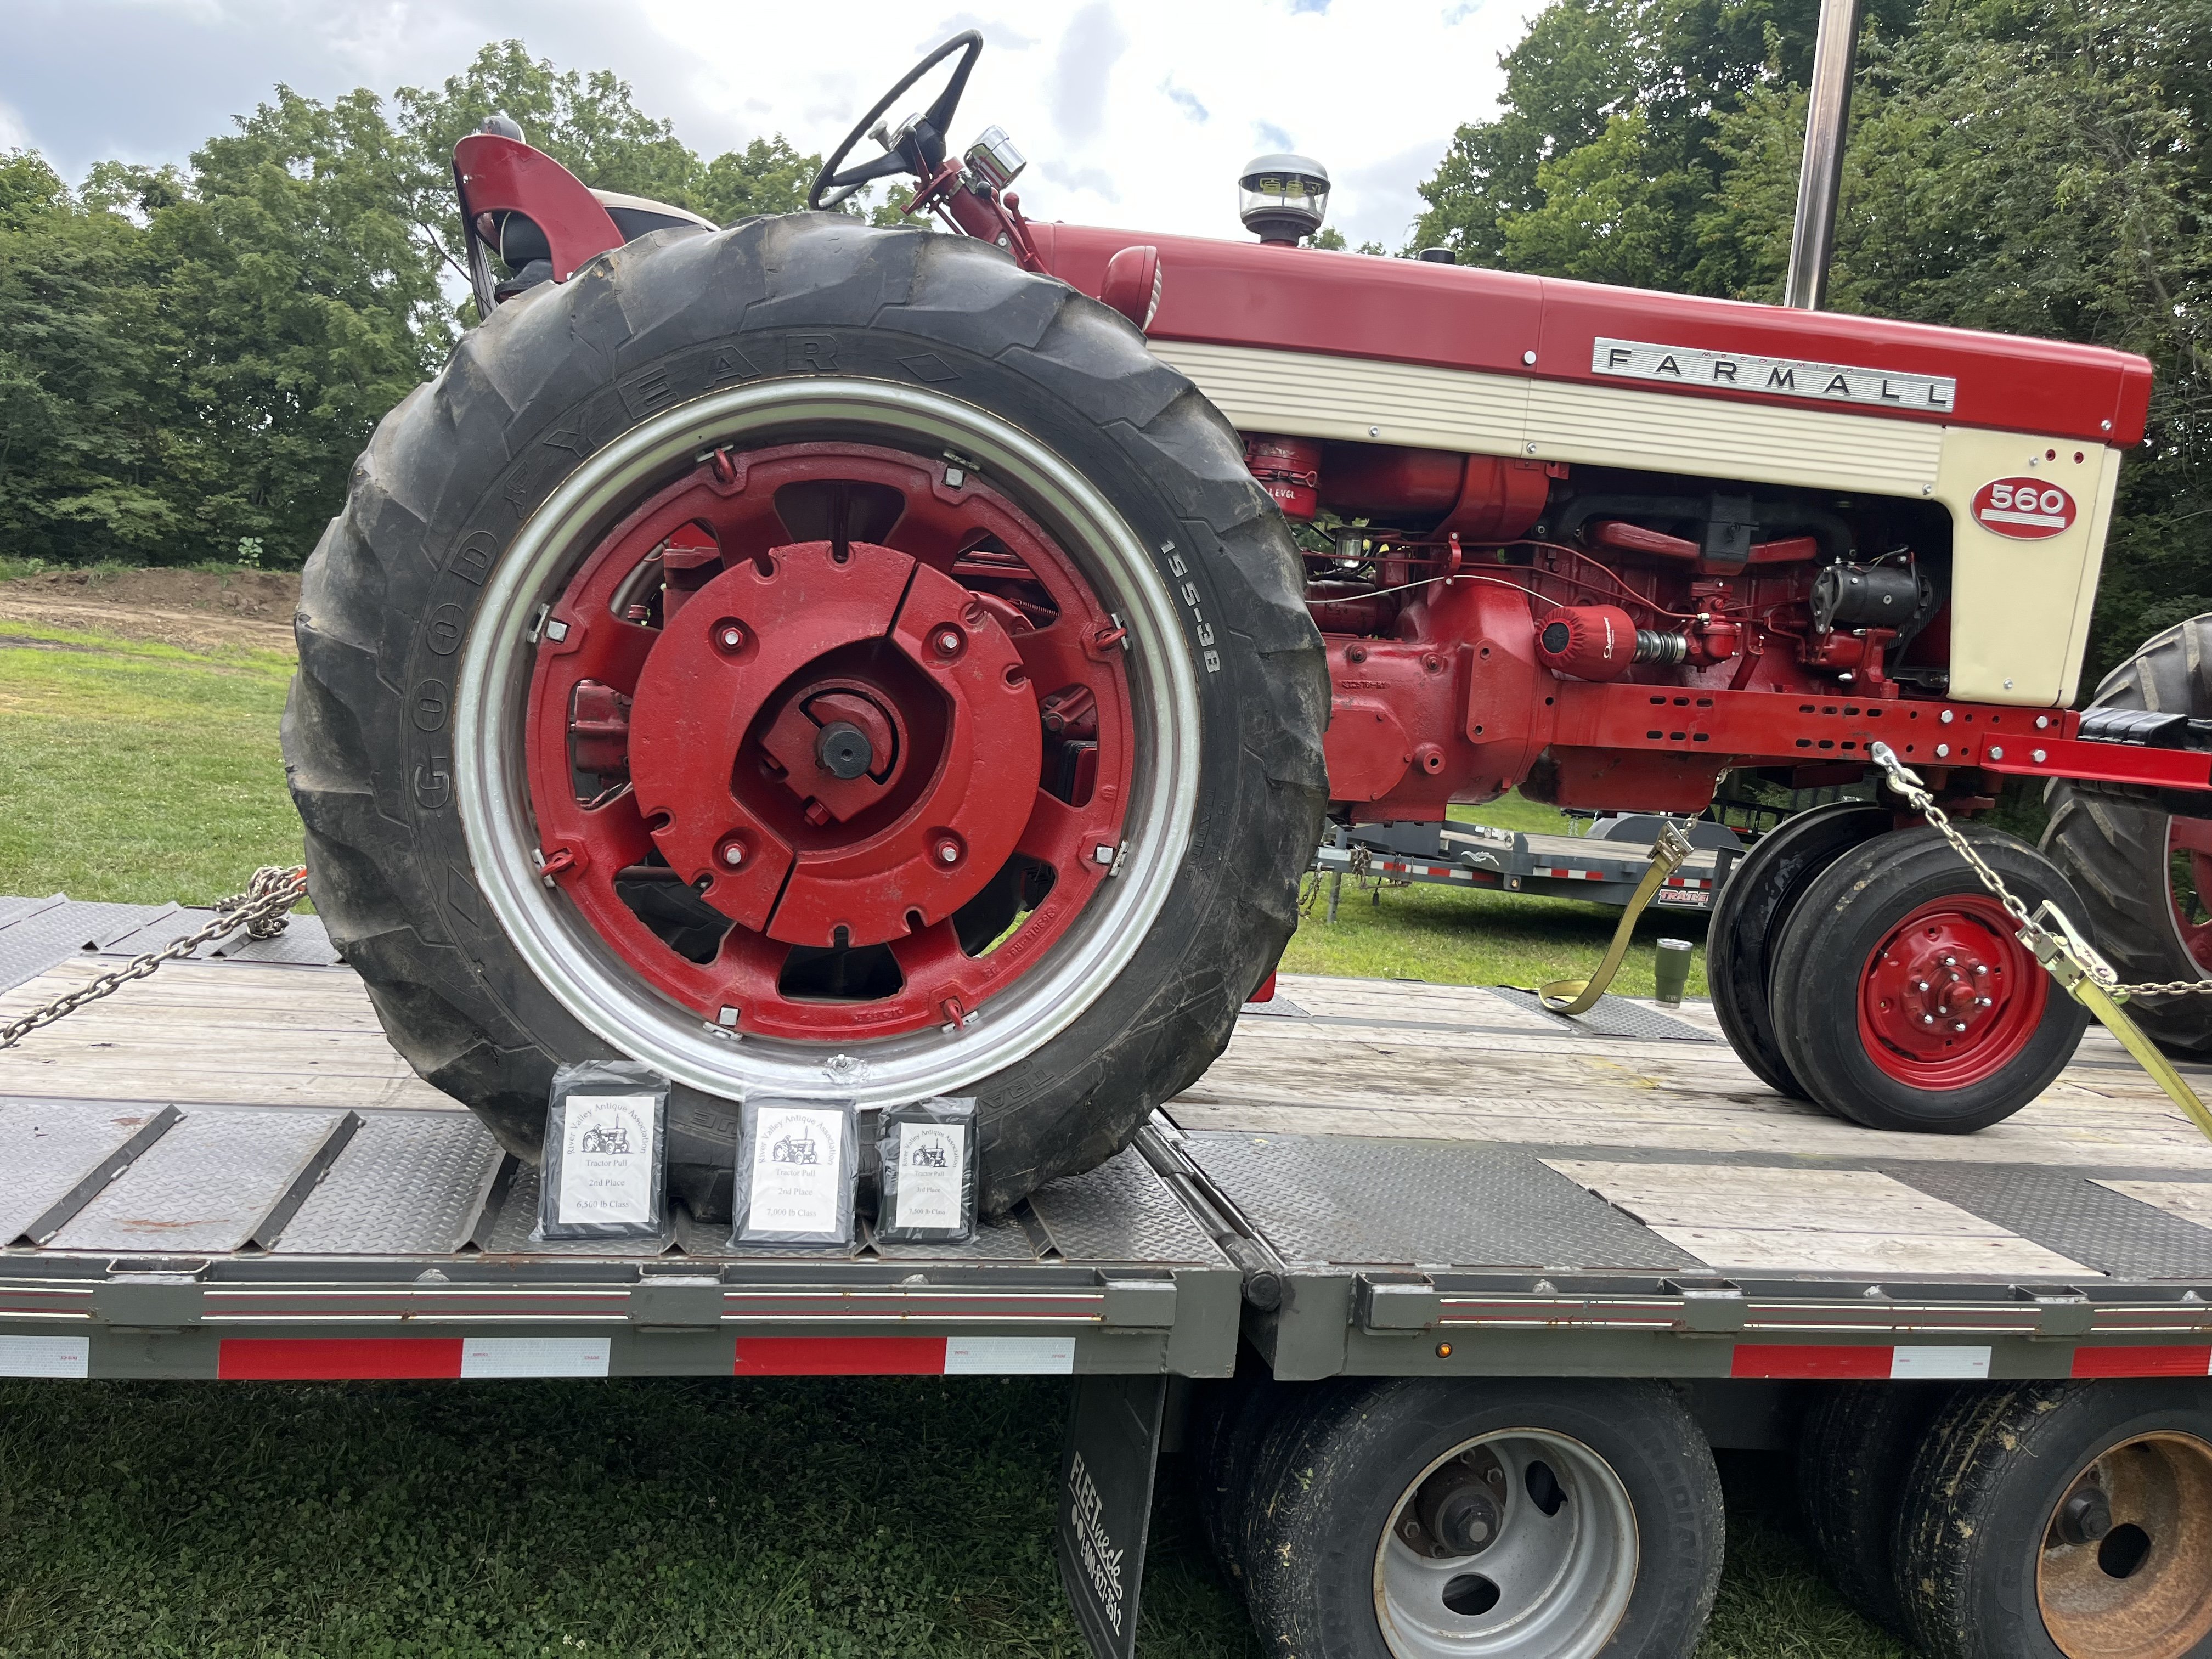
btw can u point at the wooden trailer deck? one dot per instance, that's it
(1376, 1121)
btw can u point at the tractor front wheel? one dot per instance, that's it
(816, 661)
(1902, 998)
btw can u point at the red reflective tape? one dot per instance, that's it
(337, 1358)
(1804, 1359)
(2166, 1359)
(841, 1356)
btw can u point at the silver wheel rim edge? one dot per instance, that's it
(582, 971)
(1592, 1475)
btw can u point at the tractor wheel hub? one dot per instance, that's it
(1946, 991)
(870, 718)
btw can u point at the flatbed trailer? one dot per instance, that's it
(1383, 1203)
(1479, 856)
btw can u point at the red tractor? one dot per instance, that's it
(834, 661)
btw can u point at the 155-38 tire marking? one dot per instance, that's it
(1189, 593)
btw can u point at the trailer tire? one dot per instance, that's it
(1632, 1571)
(1753, 909)
(1232, 1420)
(1995, 1562)
(1854, 1446)
(2120, 855)
(483, 497)
(1895, 933)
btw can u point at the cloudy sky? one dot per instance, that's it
(1133, 112)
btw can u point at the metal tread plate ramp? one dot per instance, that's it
(224, 1171)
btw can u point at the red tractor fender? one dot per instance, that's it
(497, 174)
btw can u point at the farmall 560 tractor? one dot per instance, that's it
(826, 660)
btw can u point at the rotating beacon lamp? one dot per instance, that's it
(1282, 197)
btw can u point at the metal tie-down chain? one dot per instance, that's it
(262, 909)
(2065, 954)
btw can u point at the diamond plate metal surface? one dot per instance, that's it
(1613, 1016)
(407, 1183)
(994, 1240)
(15, 910)
(1121, 1212)
(2068, 1212)
(204, 1186)
(37, 939)
(1356, 1200)
(305, 942)
(47, 1147)
(518, 1214)
(160, 928)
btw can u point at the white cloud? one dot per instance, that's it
(1106, 96)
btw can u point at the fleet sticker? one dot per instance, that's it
(2026, 509)
(1775, 377)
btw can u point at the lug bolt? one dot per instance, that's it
(1919, 984)
(945, 850)
(734, 854)
(1981, 1002)
(1959, 1026)
(946, 642)
(1927, 1019)
(1980, 969)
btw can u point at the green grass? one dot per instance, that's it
(364, 1521)
(138, 773)
(634, 1517)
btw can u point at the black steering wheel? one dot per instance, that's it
(919, 149)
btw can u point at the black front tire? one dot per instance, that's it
(1753, 909)
(1845, 914)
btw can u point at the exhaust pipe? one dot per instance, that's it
(1819, 180)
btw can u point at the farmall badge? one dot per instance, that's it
(2026, 509)
(1774, 377)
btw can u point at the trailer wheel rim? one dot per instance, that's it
(1949, 998)
(591, 978)
(1522, 1543)
(2125, 1567)
(888, 766)
(2189, 886)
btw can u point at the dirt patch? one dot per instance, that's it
(195, 609)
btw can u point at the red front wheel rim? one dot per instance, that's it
(1950, 998)
(830, 741)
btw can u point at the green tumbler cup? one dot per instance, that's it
(1673, 971)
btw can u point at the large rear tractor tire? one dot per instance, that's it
(819, 661)
(2145, 878)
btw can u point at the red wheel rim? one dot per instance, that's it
(1950, 998)
(841, 705)
(2188, 885)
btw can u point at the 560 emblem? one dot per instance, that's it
(1189, 592)
(2026, 509)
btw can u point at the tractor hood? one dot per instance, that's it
(1309, 300)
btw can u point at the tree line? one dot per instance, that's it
(191, 358)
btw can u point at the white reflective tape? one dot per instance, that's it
(1910, 1364)
(534, 1356)
(46, 1356)
(1009, 1356)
